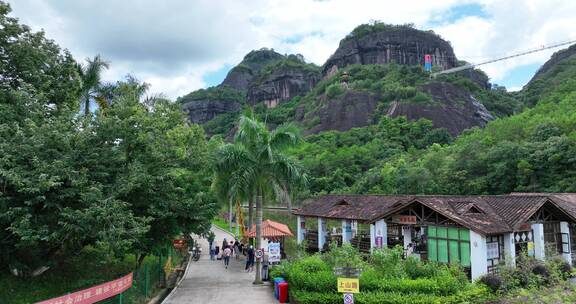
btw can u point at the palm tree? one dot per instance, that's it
(256, 165)
(91, 80)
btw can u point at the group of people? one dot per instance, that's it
(233, 248)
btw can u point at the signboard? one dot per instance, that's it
(427, 62)
(94, 294)
(379, 241)
(493, 251)
(404, 219)
(274, 252)
(348, 285)
(530, 249)
(348, 298)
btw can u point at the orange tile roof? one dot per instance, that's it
(270, 229)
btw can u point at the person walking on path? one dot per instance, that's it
(212, 251)
(226, 254)
(237, 249)
(250, 259)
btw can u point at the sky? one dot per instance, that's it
(179, 46)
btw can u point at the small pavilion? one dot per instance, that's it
(273, 232)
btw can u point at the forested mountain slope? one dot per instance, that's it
(376, 71)
(531, 151)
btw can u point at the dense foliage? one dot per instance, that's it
(385, 278)
(125, 180)
(220, 93)
(338, 160)
(532, 151)
(374, 27)
(289, 62)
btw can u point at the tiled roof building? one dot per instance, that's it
(476, 231)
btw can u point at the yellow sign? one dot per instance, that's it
(347, 285)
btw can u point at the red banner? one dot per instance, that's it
(94, 294)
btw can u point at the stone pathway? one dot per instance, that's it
(209, 282)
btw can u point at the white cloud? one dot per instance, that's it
(172, 44)
(513, 26)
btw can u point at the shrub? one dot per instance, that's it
(323, 281)
(334, 90)
(388, 262)
(306, 297)
(312, 264)
(396, 298)
(541, 270)
(492, 281)
(343, 256)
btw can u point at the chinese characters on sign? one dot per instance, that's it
(404, 219)
(348, 285)
(94, 294)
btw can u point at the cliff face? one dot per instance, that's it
(452, 108)
(281, 85)
(351, 110)
(241, 75)
(394, 44)
(201, 111)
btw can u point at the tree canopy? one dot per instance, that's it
(126, 179)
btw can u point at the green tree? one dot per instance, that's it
(256, 164)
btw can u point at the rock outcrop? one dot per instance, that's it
(452, 108)
(282, 84)
(201, 111)
(241, 75)
(392, 44)
(351, 110)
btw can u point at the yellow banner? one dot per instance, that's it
(347, 285)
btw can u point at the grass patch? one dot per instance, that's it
(222, 224)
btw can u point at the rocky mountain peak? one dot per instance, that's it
(381, 43)
(241, 75)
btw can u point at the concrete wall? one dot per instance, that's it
(509, 249)
(539, 247)
(299, 230)
(321, 233)
(478, 255)
(564, 228)
(378, 229)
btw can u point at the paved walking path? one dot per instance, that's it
(209, 282)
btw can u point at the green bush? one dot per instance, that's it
(312, 264)
(306, 297)
(396, 298)
(388, 262)
(323, 281)
(334, 90)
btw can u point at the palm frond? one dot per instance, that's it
(285, 136)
